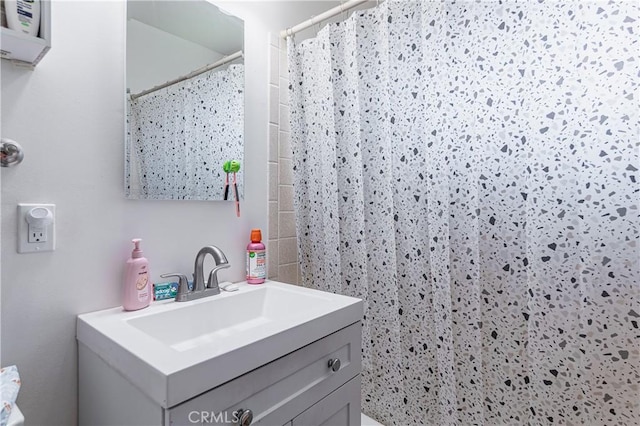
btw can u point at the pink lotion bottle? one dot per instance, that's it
(256, 259)
(136, 294)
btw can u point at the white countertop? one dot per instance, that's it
(172, 354)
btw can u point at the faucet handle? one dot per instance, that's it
(183, 283)
(213, 278)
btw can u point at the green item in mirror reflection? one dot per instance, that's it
(231, 166)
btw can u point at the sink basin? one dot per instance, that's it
(175, 351)
(231, 321)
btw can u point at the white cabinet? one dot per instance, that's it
(316, 384)
(24, 49)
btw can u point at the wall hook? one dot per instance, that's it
(11, 153)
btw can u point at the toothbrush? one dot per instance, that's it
(232, 166)
(235, 167)
(226, 180)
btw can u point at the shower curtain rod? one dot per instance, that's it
(323, 16)
(224, 60)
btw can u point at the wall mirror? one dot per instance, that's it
(184, 100)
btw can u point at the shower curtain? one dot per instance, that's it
(181, 135)
(470, 170)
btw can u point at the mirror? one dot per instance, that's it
(184, 100)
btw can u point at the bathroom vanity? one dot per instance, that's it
(271, 354)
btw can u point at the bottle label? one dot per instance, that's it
(256, 264)
(142, 287)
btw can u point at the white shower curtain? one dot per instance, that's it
(470, 169)
(181, 135)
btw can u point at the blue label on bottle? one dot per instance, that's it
(25, 13)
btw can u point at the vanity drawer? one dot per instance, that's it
(279, 391)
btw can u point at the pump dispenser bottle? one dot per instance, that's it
(136, 293)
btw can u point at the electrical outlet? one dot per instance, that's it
(37, 236)
(36, 228)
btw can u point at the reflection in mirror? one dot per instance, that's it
(185, 100)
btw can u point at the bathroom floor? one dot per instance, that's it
(368, 421)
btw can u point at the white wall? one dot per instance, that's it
(68, 114)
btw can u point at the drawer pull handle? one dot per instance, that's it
(244, 416)
(334, 364)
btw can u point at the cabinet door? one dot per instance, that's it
(339, 408)
(284, 388)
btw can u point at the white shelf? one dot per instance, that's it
(25, 49)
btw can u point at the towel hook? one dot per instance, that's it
(11, 153)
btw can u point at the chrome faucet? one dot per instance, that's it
(198, 269)
(199, 288)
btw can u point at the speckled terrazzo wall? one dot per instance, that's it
(470, 169)
(180, 136)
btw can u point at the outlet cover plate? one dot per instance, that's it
(24, 246)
